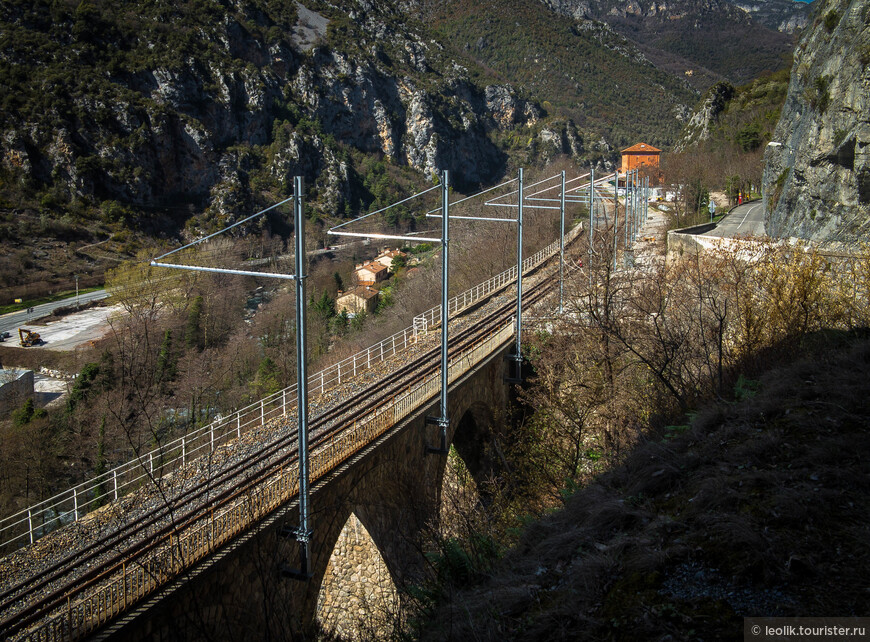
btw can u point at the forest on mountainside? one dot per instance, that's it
(580, 69)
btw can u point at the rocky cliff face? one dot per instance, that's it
(705, 40)
(706, 115)
(817, 168)
(787, 16)
(212, 109)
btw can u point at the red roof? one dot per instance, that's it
(372, 266)
(641, 148)
(361, 291)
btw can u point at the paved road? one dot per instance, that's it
(14, 320)
(744, 220)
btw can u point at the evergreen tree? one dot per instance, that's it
(266, 381)
(165, 359)
(193, 330)
(27, 413)
(325, 305)
(83, 385)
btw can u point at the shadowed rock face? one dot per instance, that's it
(817, 180)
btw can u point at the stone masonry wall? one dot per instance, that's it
(369, 518)
(358, 599)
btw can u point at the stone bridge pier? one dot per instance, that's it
(369, 518)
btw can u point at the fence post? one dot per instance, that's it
(115, 480)
(339, 372)
(183, 451)
(151, 461)
(239, 425)
(284, 401)
(262, 412)
(30, 524)
(75, 504)
(211, 438)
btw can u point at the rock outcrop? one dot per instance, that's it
(787, 16)
(817, 168)
(214, 116)
(706, 115)
(705, 40)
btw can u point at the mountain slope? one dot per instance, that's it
(159, 119)
(146, 106)
(581, 68)
(170, 119)
(787, 16)
(122, 124)
(706, 39)
(744, 115)
(209, 105)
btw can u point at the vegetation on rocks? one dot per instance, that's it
(817, 179)
(586, 73)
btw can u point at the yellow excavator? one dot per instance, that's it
(28, 338)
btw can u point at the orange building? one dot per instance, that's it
(360, 299)
(642, 156)
(370, 273)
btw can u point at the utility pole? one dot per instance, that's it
(646, 200)
(629, 176)
(562, 246)
(635, 202)
(640, 194)
(443, 420)
(615, 216)
(518, 357)
(303, 532)
(591, 210)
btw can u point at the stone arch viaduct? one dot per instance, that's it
(393, 487)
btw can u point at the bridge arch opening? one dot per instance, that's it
(474, 443)
(460, 498)
(358, 599)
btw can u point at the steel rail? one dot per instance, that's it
(119, 476)
(88, 554)
(169, 530)
(225, 475)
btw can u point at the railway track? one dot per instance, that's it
(26, 602)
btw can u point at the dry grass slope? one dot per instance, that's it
(759, 508)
